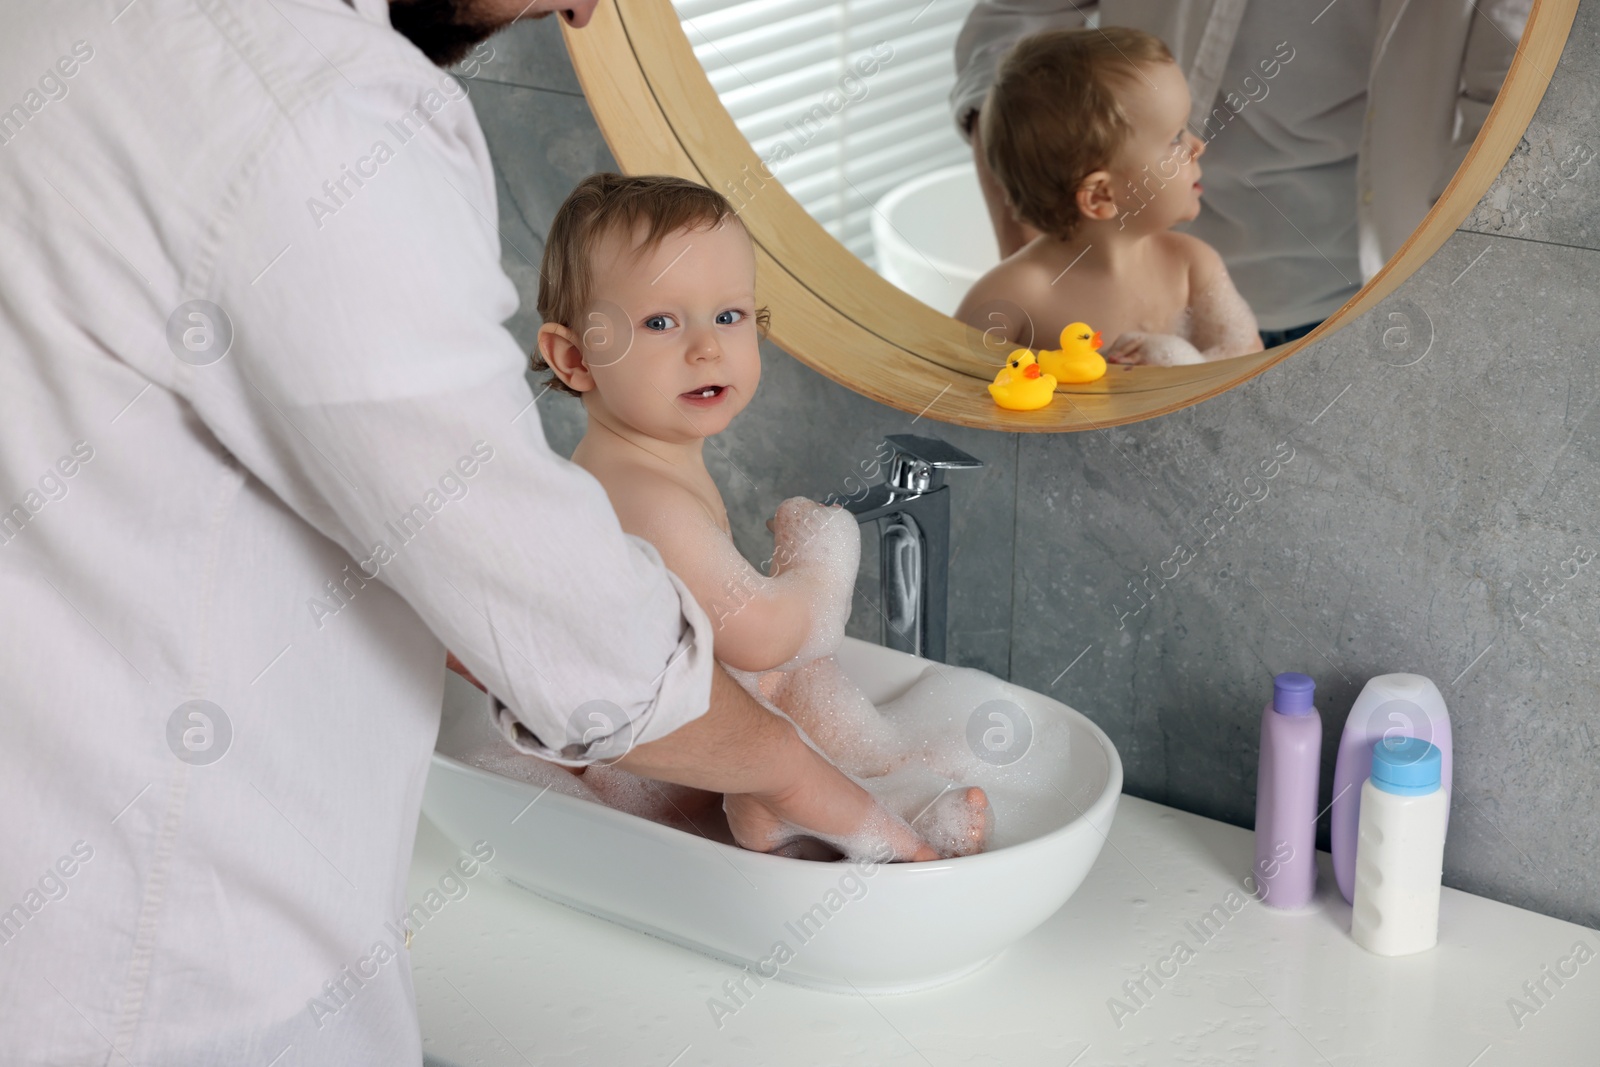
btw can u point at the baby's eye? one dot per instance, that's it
(722, 321)
(654, 322)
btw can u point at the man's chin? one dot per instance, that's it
(445, 30)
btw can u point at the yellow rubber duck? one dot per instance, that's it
(1076, 360)
(1021, 386)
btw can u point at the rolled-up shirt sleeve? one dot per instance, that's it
(371, 385)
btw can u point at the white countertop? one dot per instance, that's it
(506, 977)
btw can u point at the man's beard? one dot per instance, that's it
(445, 30)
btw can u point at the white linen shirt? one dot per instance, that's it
(291, 526)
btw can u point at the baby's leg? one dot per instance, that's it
(828, 706)
(847, 726)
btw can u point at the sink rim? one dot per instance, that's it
(1096, 815)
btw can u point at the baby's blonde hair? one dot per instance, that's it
(1052, 117)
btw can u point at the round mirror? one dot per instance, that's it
(1331, 165)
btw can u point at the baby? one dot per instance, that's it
(1085, 131)
(647, 291)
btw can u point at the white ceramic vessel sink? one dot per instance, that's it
(904, 928)
(933, 237)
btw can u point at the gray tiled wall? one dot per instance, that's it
(1429, 480)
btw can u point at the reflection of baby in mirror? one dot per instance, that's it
(1085, 130)
(648, 301)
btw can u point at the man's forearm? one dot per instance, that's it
(737, 746)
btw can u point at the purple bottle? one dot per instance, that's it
(1286, 794)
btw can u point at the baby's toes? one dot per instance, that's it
(959, 822)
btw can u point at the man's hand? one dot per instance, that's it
(1127, 348)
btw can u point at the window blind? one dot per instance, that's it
(787, 72)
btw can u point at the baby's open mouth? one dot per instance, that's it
(705, 393)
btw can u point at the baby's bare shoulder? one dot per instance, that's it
(1199, 258)
(1016, 281)
(1021, 273)
(651, 505)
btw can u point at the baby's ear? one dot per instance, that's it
(558, 348)
(1095, 198)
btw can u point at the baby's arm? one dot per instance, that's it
(1221, 324)
(759, 622)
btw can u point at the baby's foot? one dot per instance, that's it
(882, 836)
(958, 823)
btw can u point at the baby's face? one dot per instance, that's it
(1156, 175)
(684, 358)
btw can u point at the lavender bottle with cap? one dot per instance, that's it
(1286, 794)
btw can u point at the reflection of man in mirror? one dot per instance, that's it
(1315, 174)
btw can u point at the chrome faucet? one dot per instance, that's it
(912, 510)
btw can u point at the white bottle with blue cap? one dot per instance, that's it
(1400, 849)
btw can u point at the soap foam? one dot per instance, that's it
(1024, 797)
(1220, 323)
(822, 700)
(929, 723)
(922, 790)
(911, 753)
(1217, 324)
(497, 756)
(822, 544)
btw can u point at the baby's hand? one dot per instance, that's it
(1127, 348)
(821, 545)
(807, 534)
(1152, 350)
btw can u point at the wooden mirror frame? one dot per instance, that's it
(659, 115)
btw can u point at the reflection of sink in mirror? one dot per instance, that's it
(933, 236)
(845, 927)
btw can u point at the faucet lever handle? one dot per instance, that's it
(919, 463)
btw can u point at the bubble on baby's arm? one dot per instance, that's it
(822, 545)
(1221, 323)
(1168, 350)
